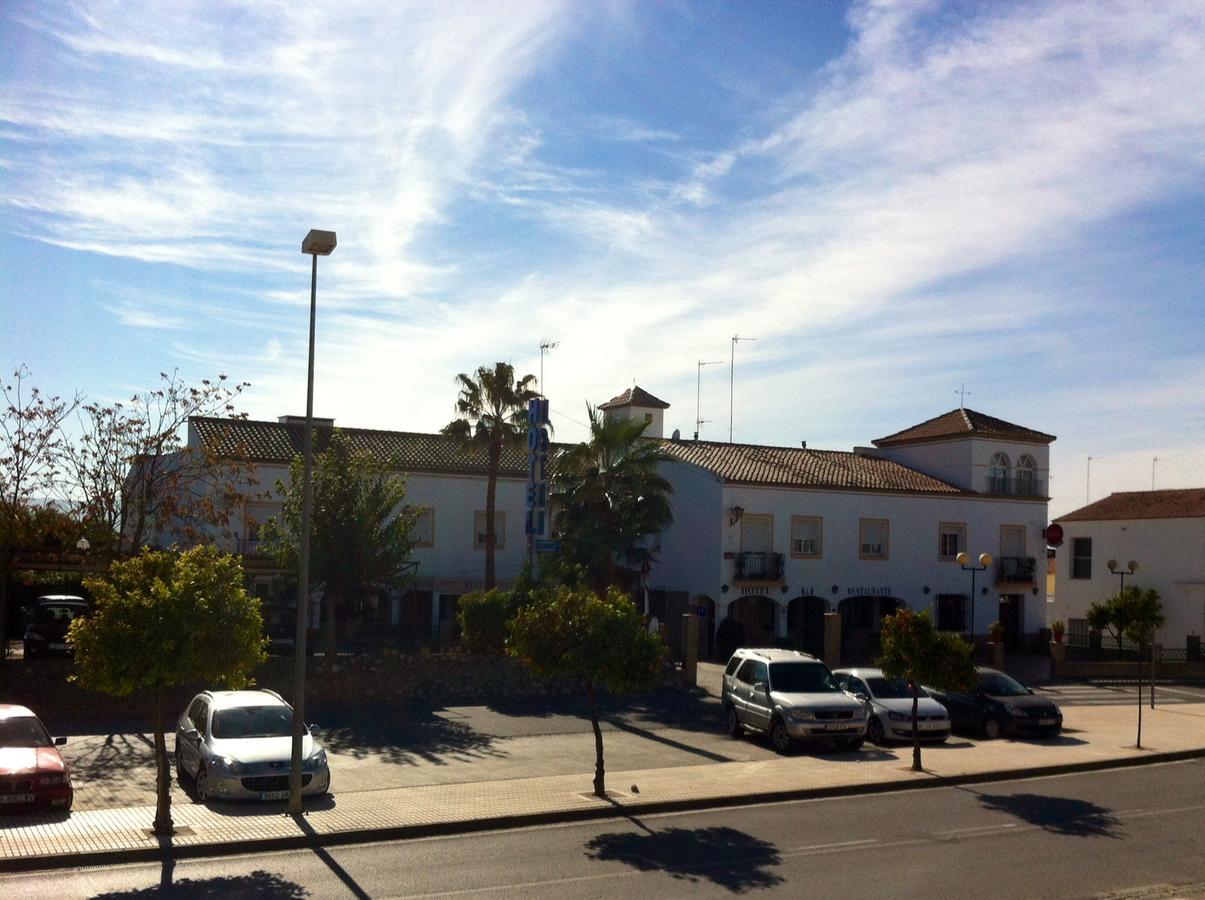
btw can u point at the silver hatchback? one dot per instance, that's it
(238, 745)
(791, 697)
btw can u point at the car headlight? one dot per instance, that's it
(800, 715)
(230, 764)
(49, 780)
(898, 717)
(1013, 710)
(317, 761)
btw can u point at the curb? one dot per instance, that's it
(614, 811)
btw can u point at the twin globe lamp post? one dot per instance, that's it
(985, 561)
(316, 243)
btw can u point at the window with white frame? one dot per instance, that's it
(1026, 482)
(479, 523)
(423, 531)
(951, 539)
(872, 539)
(805, 537)
(997, 474)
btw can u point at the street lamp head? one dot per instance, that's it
(985, 559)
(1132, 566)
(318, 243)
(82, 545)
(1112, 564)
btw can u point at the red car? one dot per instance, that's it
(32, 773)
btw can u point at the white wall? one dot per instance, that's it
(966, 461)
(1171, 559)
(690, 558)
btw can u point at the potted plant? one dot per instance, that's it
(996, 632)
(1057, 630)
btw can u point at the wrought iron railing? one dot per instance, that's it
(248, 546)
(757, 566)
(1015, 569)
(1013, 486)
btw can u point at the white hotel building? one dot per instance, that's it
(775, 536)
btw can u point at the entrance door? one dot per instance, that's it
(1011, 615)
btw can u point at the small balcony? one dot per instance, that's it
(1015, 570)
(757, 566)
(248, 547)
(1016, 486)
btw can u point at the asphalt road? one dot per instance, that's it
(1130, 833)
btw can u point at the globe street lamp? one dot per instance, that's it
(1130, 569)
(985, 560)
(316, 243)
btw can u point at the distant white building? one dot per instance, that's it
(1162, 531)
(778, 536)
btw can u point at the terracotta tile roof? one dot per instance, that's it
(1188, 503)
(963, 422)
(796, 467)
(635, 396)
(278, 442)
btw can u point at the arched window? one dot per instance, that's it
(997, 476)
(1026, 483)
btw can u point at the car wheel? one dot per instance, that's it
(992, 728)
(780, 738)
(201, 784)
(874, 731)
(735, 728)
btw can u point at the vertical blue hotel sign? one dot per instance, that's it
(537, 468)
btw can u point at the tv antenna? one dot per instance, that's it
(699, 420)
(546, 346)
(736, 338)
(962, 393)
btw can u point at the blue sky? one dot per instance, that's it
(893, 199)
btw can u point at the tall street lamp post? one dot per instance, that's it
(985, 560)
(316, 243)
(1130, 569)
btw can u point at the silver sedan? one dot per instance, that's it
(888, 705)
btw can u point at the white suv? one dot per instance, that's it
(791, 697)
(238, 745)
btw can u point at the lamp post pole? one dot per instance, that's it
(316, 243)
(1130, 569)
(985, 560)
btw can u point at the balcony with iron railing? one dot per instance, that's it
(1013, 486)
(757, 566)
(248, 547)
(1015, 570)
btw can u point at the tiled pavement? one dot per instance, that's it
(1094, 736)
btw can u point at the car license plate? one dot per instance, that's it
(931, 726)
(57, 646)
(17, 798)
(1048, 721)
(274, 795)
(836, 726)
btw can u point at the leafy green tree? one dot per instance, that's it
(598, 638)
(608, 497)
(492, 416)
(1111, 615)
(162, 619)
(1143, 614)
(917, 652)
(360, 533)
(485, 616)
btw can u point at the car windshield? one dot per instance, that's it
(997, 684)
(889, 688)
(802, 678)
(23, 731)
(49, 613)
(253, 721)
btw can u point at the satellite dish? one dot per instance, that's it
(677, 436)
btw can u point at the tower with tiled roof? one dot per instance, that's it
(637, 403)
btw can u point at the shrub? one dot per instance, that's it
(483, 617)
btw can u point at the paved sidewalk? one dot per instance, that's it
(1094, 737)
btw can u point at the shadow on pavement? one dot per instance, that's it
(1057, 815)
(1060, 740)
(404, 739)
(719, 855)
(243, 808)
(256, 884)
(23, 819)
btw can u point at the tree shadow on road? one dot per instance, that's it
(722, 856)
(405, 739)
(1057, 815)
(257, 884)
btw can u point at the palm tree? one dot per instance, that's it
(607, 495)
(492, 410)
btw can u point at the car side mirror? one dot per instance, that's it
(314, 729)
(192, 734)
(862, 697)
(60, 741)
(762, 686)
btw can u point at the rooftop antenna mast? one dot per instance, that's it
(1154, 462)
(1088, 482)
(699, 393)
(962, 393)
(545, 346)
(736, 338)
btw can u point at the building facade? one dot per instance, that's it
(1163, 532)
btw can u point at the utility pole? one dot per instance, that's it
(699, 394)
(736, 338)
(545, 347)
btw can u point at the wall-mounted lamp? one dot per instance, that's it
(734, 514)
